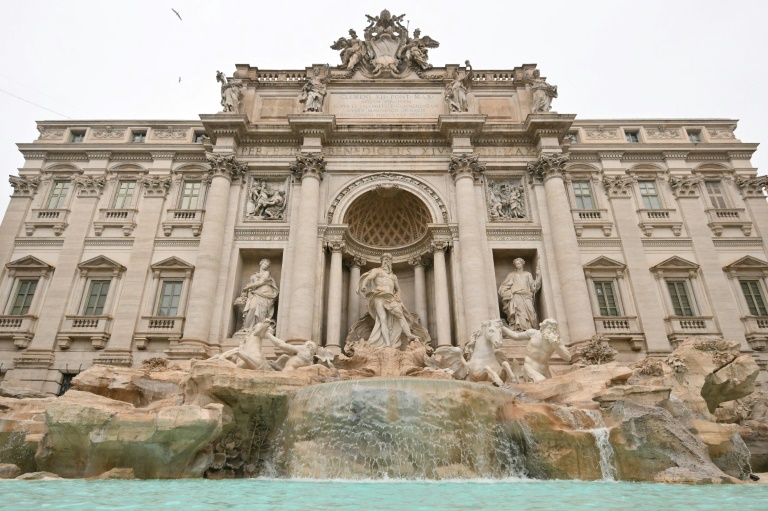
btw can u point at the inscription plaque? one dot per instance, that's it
(375, 106)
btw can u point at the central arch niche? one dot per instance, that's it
(387, 218)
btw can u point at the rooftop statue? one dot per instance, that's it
(457, 89)
(314, 91)
(482, 358)
(543, 94)
(387, 48)
(543, 343)
(231, 93)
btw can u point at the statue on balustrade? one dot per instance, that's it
(388, 322)
(542, 344)
(314, 91)
(258, 297)
(457, 89)
(518, 294)
(543, 94)
(231, 93)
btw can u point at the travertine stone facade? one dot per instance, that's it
(126, 240)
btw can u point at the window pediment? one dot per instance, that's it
(172, 265)
(101, 264)
(30, 263)
(675, 265)
(605, 263)
(747, 266)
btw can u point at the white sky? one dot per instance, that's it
(610, 59)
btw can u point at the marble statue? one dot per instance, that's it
(231, 93)
(457, 89)
(517, 293)
(298, 356)
(543, 93)
(482, 358)
(265, 202)
(380, 287)
(415, 50)
(506, 200)
(248, 355)
(314, 91)
(353, 50)
(542, 344)
(258, 296)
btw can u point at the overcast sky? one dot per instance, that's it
(610, 59)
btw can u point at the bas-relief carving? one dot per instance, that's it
(266, 200)
(51, 135)
(602, 133)
(231, 93)
(518, 296)
(387, 48)
(542, 344)
(258, 297)
(313, 92)
(663, 133)
(457, 89)
(720, 133)
(506, 200)
(543, 93)
(108, 133)
(169, 134)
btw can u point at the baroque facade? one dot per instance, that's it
(128, 240)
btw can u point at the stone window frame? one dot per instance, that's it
(750, 268)
(734, 214)
(605, 269)
(40, 215)
(177, 217)
(637, 131)
(678, 269)
(24, 268)
(698, 131)
(598, 216)
(659, 175)
(109, 215)
(73, 134)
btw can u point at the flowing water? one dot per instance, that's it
(290, 495)
(591, 421)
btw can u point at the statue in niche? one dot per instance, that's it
(353, 50)
(482, 358)
(231, 93)
(517, 293)
(314, 91)
(542, 344)
(415, 50)
(543, 93)
(258, 297)
(457, 89)
(248, 355)
(391, 319)
(265, 202)
(506, 200)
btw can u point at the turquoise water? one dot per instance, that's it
(264, 494)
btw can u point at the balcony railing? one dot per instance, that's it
(54, 218)
(679, 327)
(19, 328)
(591, 218)
(756, 330)
(121, 218)
(161, 327)
(719, 219)
(616, 325)
(660, 218)
(184, 218)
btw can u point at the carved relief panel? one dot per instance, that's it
(266, 199)
(507, 200)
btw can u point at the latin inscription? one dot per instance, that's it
(386, 151)
(382, 106)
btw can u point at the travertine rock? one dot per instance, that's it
(38, 476)
(133, 386)
(9, 471)
(117, 473)
(643, 394)
(577, 386)
(18, 391)
(89, 434)
(22, 424)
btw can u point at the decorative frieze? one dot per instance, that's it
(256, 234)
(169, 134)
(513, 234)
(601, 133)
(548, 165)
(108, 133)
(720, 133)
(308, 165)
(51, 135)
(687, 186)
(663, 133)
(24, 186)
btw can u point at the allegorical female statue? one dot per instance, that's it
(517, 294)
(259, 297)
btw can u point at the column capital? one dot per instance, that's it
(752, 186)
(418, 261)
(439, 245)
(619, 186)
(686, 186)
(225, 165)
(548, 166)
(88, 186)
(309, 165)
(155, 186)
(24, 186)
(335, 245)
(356, 261)
(465, 165)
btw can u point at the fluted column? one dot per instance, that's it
(442, 306)
(420, 289)
(310, 169)
(333, 327)
(223, 170)
(471, 258)
(353, 304)
(549, 169)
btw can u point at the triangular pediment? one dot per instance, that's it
(172, 263)
(605, 263)
(747, 263)
(675, 263)
(101, 263)
(29, 263)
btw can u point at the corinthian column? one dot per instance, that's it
(309, 169)
(353, 306)
(333, 327)
(573, 286)
(442, 306)
(224, 169)
(420, 289)
(471, 258)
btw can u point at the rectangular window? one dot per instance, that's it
(170, 294)
(632, 137)
(649, 194)
(754, 296)
(138, 137)
(97, 297)
(23, 299)
(606, 298)
(573, 137)
(76, 137)
(681, 300)
(694, 137)
(58, 194)
(199, 135)
(715, 193)
(583, 194)
(124, 194)
(190, 194)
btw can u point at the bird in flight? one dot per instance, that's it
(177, 13)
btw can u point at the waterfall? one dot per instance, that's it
(402, 428)
(591, 421)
